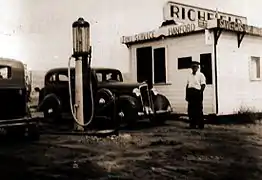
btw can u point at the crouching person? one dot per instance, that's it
(195, 87)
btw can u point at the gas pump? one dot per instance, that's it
(82, 56)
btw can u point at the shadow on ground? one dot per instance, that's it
(167, 152)
(214, 153)
(23, 159)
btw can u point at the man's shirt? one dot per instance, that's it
(195, 81)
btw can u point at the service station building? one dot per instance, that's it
(228, 50)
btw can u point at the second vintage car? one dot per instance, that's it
(15, 117)
(123, 102)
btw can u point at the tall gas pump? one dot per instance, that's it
(82, 56)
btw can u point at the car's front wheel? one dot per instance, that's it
(127, 110)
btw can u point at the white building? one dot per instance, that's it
(229, 52)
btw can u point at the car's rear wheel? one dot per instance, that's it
(52, 114)
(127, 110)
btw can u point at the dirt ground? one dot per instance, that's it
(167, 152)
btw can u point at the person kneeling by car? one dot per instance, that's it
(195, 87)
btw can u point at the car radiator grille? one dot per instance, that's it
(146, 96)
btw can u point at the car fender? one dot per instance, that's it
(161, 102)
(49, 100)
(128, 99)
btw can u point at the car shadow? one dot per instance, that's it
(142, 125)
(68, 125)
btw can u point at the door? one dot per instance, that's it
(144, 64)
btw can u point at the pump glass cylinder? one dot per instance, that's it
(81, 39)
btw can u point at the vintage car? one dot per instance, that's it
(123, 101)
(15, 116)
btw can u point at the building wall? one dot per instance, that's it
(235, 89)
(177, 47)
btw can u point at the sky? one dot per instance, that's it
(39, 33)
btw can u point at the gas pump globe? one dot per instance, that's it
(81, 46)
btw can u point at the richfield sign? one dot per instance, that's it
(186, 14)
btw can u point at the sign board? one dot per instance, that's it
(187, 13)
(164, 32)
(202, 23)
(208, 37)
(175, 30)
(233, 26)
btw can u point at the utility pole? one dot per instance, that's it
(81, 50)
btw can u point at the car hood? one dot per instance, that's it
(120, 85)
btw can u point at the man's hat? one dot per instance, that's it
(195, 63)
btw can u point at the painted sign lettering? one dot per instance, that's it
(167, 31)
(144, 36)
(186, 13)
(183, 29)
(139, 37)
(233, 26)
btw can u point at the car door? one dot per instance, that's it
(62, 90)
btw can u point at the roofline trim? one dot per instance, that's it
(184, 29)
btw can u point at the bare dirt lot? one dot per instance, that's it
(167, 152)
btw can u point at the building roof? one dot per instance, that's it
(184, 29)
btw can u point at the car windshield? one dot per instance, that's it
(105, 76)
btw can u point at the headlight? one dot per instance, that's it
(136, 92)
(154, 91)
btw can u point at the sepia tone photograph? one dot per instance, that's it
(130, 90)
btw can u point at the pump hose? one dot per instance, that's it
(70, 95)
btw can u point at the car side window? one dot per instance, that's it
(52, 78)
(99, 77)
(62, 78)
(113, 77)
(109, 76)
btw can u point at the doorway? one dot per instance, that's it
(144, 65)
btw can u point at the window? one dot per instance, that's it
(114, 76)
(206, 66)
(255, 73)
(99, 77)
(51, 78)
(159, 65)
(151, 65)
(184, 62)
(62, 77)
(5, 72)
(108, 76)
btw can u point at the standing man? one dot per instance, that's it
(195, 87)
